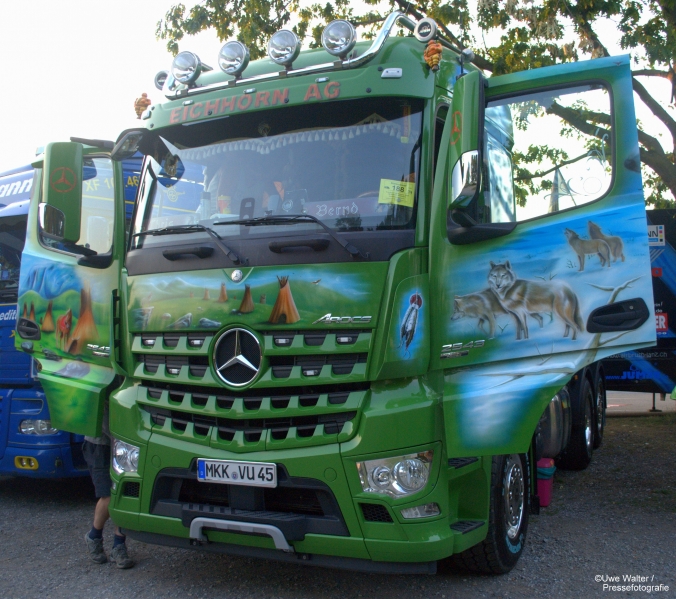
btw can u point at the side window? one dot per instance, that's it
(98, 208)
(546, 152)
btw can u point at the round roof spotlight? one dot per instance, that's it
(186, 67)
(284, 47)
(160, 79)
(339, 37)
(233, 58)
(425, 30)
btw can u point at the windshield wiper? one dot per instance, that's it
(180, 229)
(291, 218)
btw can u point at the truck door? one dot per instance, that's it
(69, 282)
(539, 253)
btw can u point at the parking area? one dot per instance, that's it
(617, 518)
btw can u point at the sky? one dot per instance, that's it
(75, 67)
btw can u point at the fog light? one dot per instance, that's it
(233, 58)
(421, 511)
(125, 457)
(339, 37)
(284, 47)
(25, 463)
(37, 427)
(312, 371)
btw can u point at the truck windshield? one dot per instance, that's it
(353, 165)
(12, 239)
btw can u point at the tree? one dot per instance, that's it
(506, 35)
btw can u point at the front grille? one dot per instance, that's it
(314, 338)
(253, 428)
(197, 365)
(289, 358)
(374, 512)
(253, 420)
(297, 505)
(312, 365)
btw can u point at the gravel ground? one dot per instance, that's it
(617, 518)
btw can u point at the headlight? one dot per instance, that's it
(125, 457)
(233, 58)
(398, 476)
(339, 37)
(284, 47)
(37, 427)
(186, 67)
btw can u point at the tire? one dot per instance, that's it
(499, 552)
(600, 404)
(578, 453)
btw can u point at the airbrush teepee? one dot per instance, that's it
(284, 310)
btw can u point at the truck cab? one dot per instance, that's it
(29, 444)
(359, 297)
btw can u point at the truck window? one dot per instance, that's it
(351, 164)
(546, 152)
(97, 218)
(12, 239)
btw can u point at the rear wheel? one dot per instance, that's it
(578, 452)
(499, 552)
(600, 412)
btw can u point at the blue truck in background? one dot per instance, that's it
(653, 369)
(29, 445)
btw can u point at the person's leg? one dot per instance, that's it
(98, 462)
(101, 514)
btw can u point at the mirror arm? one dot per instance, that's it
(464, 233)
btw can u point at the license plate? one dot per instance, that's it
(231, 472)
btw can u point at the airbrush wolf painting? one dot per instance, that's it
(340, 330)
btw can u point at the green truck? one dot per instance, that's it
(363, 291)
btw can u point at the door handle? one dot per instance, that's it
(28, 329)
(318, 244)
(626, 315)
(202, 251)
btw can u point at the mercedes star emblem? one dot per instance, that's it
(237, 357)
(237, 275)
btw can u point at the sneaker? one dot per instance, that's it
(95, 547)
(119, 557)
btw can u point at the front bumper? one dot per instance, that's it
(321, 521)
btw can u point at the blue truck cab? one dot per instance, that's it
(29, 445)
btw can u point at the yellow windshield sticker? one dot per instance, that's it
(400, 193)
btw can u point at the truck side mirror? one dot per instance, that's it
(465, 128)
(62, 191)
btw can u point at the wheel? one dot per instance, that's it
(499, 552)
(600, 410)
(578, 452)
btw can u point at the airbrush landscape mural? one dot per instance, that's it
(329, 294)
(73, 316)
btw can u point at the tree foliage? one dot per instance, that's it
(507, 36)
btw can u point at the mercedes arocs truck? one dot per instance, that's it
(363, 290)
